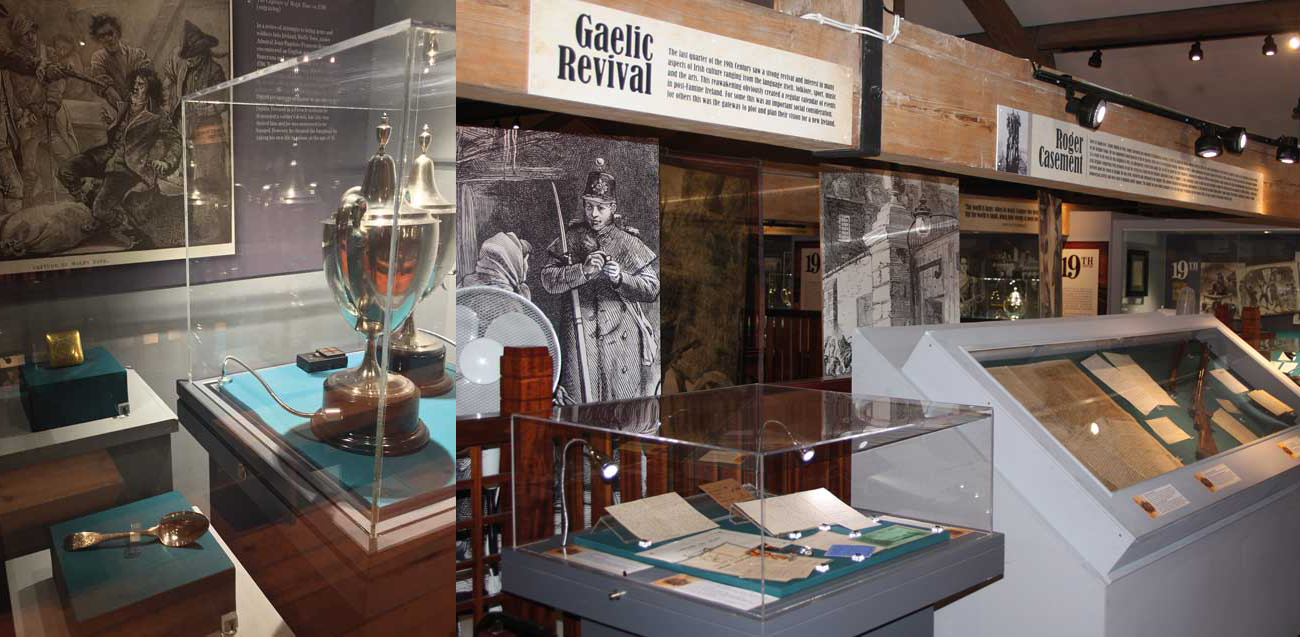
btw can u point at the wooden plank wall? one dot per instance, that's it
(492, 60)
(940, 92)
(940, 104)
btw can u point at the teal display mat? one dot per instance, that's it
(104, 579)
(403, 476)
(606, 540)
(1157, 361)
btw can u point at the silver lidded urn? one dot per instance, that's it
(417, 354)
(378, 260)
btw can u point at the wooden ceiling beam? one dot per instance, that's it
(1004, 30)
(1243, 19)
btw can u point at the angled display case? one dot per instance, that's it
(752, 510)
(318, 379)
(1137, 456)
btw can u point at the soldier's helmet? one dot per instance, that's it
(600, 184)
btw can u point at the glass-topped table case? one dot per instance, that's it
(1140, 458)
(752, 501)
(1131, 409)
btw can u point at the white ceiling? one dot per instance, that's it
(1234, 85)
(952, 16)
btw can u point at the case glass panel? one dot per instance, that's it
(999, 276)
(1132, 409)
(755, 498)
(334, 367)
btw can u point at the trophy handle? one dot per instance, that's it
(352, 208)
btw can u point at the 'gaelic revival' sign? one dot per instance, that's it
(1039, 146)
(583, 52)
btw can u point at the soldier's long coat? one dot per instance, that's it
(622, 349)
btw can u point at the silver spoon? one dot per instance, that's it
(181, 528)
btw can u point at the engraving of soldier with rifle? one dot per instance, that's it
(608, 272)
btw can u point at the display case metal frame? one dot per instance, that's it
(894, 599)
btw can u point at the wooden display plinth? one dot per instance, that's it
(145, 589)
(38, 495)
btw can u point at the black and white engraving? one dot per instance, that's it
(91, 172)
(1013, 140)
(572, 222)
(1219, 286)
(1272, 288)
(890, 255)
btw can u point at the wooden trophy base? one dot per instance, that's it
(356, 431)
(425, 364)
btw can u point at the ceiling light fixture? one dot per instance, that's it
(1095, 60)
(1208, 145)
(1270, 47)
(1294, 42)
(1212, 141)
(1196, 53)
(1089, 109)
(1234, 139)
(1288, 150)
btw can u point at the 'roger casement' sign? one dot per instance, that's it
(1047, 148)
(583, 52)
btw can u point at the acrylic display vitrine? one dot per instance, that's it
(750, 509)
(318, 381)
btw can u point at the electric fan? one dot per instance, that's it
(488, 320)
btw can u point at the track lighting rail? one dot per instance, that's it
(1072, 85)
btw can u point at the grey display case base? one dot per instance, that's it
(918, 624)
(895, 599)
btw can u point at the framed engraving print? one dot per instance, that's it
(1135, 273)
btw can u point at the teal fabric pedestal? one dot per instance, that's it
(57, 397)
(145, 589)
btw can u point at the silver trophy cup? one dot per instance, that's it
(379, 259)
(415, 353)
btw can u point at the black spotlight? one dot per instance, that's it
(1095, 60)
(1196, 53)
(1090, 109)
(1270, 47)
(1288, 150)
(1208, 145)
(1234, 139)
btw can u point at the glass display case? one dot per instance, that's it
(1231, 265)
(755, 500)
(345, 389)
(318, 381)
(999, 276)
